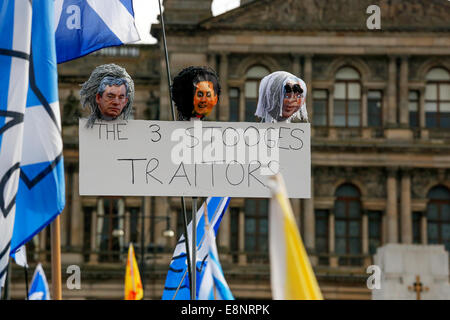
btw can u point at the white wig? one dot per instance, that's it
(271, 95)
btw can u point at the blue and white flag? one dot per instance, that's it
(15, 36)
(177, 286)
(84, 26)
(39, 286)
(213, 285)
(41, 194)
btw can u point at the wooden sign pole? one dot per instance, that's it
(56, 259)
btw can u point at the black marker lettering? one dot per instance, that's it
(157, 128)
(132, 166)
(235, 140)
(257, 132)
(300, 139)
(148, 173)
(250, 172)
(109, 131)
(280, 139)
(118, 131)
(243, 173)
(185, 175)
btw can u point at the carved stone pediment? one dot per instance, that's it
(411, 15)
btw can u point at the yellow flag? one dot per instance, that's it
(292, 277)
(133, 284)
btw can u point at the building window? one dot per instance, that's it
(111, 228)
(348, 219)
(234, 104)
(253, 79)
(374, 108)
(256, 230)
(437, 99)
(347, 98)
(322, 241)
(320, 106)
(438, 216)
(417, 226)
(374, 231)
(413, 108)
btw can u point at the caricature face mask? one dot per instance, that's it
(293, 99)
(205, 98)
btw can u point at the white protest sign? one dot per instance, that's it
(193, 158)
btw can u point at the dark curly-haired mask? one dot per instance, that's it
(196, 92)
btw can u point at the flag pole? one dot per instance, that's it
(56, 259)
(26, 282)
(183, 205)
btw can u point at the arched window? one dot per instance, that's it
(438, 216)
(437, 99)
(347, 98)
(253, 78)
(348, 218)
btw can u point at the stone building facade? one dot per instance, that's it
(379, 101)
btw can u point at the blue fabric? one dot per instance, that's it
(41, 193)
(177, 285)
(92, 35)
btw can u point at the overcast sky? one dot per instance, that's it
(146, 12)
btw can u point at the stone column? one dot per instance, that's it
(309, 222)
(77, 217)
(365, 237)
(224, 235)
(423, 229)
(331, 240)
(241, 245)
(364, 110)
(161, 209)
(297, 208)
(392, 92)
(42, 244)
(403, 92)
(224, 105)
(93, 257)
(127, 228)
(330, 106)
(65, 214)
(422, 122)
(212, 63)
(242, 102)
(296, 65)
(164, 102)
(308, 80)
(147, 213)
(406, 217)
(391, 212)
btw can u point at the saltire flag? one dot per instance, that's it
(213, 285)
(133, 284)
(15, 37)
(41, 194)
(39, 286)
(291, 274)
(20, 256)
(177, 285)
(84, 26)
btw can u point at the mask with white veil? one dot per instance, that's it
(282, 98)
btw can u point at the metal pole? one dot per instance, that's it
(194, 248)
(183, 204)
(143, 242)
(26, 282)
(6, 290)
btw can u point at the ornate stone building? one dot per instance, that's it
(379, 101)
